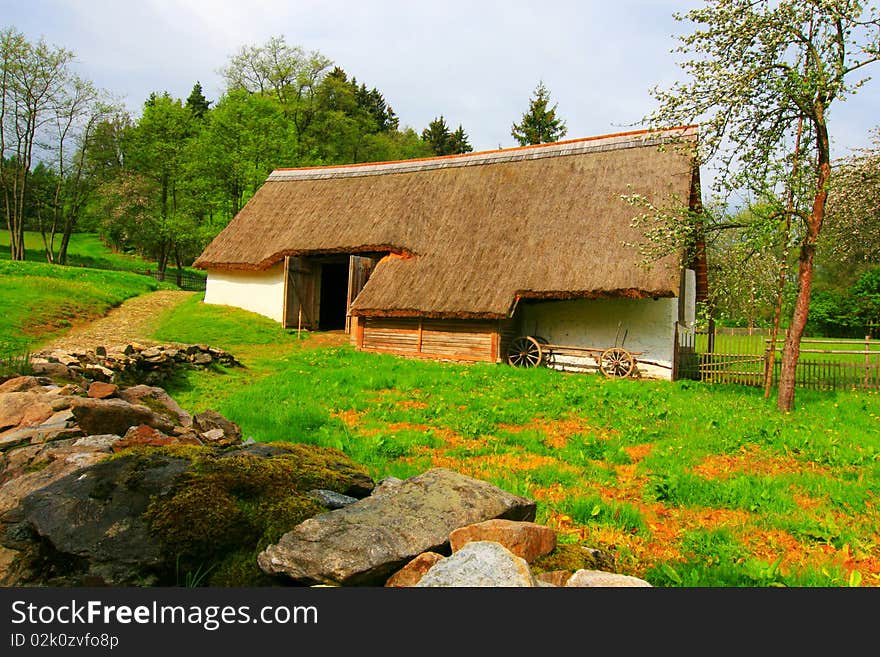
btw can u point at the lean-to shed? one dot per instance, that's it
(452, 257)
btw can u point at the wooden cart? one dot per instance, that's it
(534, 351)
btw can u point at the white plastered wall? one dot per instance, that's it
(639, 325)
(258, 291)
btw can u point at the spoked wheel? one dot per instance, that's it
(525, 351)
(616, 362)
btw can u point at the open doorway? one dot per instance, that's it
(334, 296)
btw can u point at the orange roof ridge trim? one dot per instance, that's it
(631, 139)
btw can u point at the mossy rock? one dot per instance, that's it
(204, 513)
(572, 557)
(229, 505)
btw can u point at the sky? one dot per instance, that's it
(475, 62)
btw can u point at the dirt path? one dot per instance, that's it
(132, 321)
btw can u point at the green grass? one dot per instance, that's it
(41, 301)
(756, 344)
(688, 484)
(84, 250)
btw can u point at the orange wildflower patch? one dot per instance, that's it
(638, 452)
(751, 461)
(351, 418)
(557, 432)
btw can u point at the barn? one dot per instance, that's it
(456, 257)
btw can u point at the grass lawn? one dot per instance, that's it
(687, 484)
(85, 250)
(39, 301)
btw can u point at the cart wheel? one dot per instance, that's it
(525, 351)
(548, 358)
(616, 362)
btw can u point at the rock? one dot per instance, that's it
(202, 359)
(98, 372)
(19, 384)
(525, 539)
(210, 419)
(480, 563)
(97, 416)
(101, 390)
(554, 577)
(387, 485)
(600, 578)
(100, 443)
(22, 482)
(144, 436)
(330, 548)
(23, 409)
(64, 358)
(92, 519)
(47, 368)
(331, 499)
(159, 401)
(412, 572)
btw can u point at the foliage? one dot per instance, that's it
(760, 79)
(539, 125)
(41, 102)
(854, 208)
(196, 101)
(444, 142)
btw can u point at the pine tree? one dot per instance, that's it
(437, 136)
(444, 142)
(459, 141)
(539, 125)
(196, 101)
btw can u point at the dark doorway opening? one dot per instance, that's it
(334, 296)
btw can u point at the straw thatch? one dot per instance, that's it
(474, 233)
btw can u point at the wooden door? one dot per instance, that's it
(359, 270)
(300, 308)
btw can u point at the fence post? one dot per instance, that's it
(867, 358)
(675, 349)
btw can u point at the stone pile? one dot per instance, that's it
(437, 529)
(129, 363)
(48, 429)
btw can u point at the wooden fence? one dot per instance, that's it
(185, 280)
(823, 364)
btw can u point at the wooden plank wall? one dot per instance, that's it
(468, 340)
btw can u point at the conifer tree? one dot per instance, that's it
(539, 125)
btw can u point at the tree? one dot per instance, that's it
(444, 142)
(539, 125)
(32, 79)
(196, 101)
(459, 141)
(854, 208)
(757, 70)
(284, 72)
(159, 146)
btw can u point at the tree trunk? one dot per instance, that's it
(791, 351)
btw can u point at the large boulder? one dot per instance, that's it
(159, 516)
(159, 401)
(93, 518)
(363, 543)
(101, 416)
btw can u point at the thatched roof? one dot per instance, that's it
(474, 233)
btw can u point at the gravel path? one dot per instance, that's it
(132, 321)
